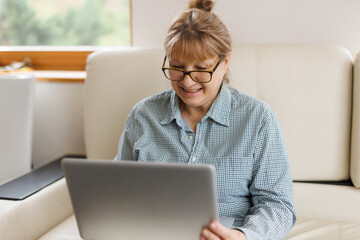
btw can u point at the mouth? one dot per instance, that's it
(191, 90)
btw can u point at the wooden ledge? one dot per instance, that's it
(55, 76)
(48, 60)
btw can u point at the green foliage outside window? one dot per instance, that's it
(64, 22)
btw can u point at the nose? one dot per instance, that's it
(187, 81)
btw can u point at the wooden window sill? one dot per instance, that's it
(55, 76)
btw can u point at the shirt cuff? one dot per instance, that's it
(250, 234)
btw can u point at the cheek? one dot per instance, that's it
(174, 85)
(214, 85)
(218, 78)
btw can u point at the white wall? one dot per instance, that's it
(260, 21)
(58, 107)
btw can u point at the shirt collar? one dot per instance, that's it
(220, 109)
(218, 112)
(173, 111)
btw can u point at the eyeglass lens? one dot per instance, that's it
(177, 75)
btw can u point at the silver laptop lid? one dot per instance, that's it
(133, 200)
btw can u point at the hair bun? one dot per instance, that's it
(204, 5)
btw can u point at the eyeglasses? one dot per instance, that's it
(200, 76)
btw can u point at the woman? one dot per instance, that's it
(203, 120)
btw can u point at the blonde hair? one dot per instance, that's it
(198, 34)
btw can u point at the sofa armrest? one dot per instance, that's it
(34, 202)
(32, 182)
(32, 217)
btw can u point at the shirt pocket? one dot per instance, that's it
(233, 176)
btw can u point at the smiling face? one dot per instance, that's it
(194, 95)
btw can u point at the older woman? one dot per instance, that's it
(203, 120)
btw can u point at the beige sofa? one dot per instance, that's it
(314, 90)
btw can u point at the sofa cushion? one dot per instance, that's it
(64, 231)
(303, 230)
(116, 80)
(327, 202)
(324, 230)
(324, 211)
(309, 87)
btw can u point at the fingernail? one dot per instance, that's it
(213, 226)
(205, 232)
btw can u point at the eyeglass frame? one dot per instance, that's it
(189, 72)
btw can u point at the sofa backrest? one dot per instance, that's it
(116, 80)
(355, 126)
(308, 86)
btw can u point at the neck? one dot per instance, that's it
(195, 113)
(192, 115)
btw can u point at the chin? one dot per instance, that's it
(193, 104)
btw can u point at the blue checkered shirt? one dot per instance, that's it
(240, 135)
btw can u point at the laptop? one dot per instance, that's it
(135, 200)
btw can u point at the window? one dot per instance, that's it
(58, 35)
(65, 22)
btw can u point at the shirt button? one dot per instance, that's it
(190, 137)
(194, 159)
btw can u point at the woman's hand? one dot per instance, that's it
(217, 231)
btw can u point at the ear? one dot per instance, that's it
(227, 60)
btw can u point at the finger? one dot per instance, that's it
(219, 229)
(207, 234)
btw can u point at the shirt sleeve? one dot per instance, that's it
(127, 140)
(273, 212)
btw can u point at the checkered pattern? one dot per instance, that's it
(241, 137)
